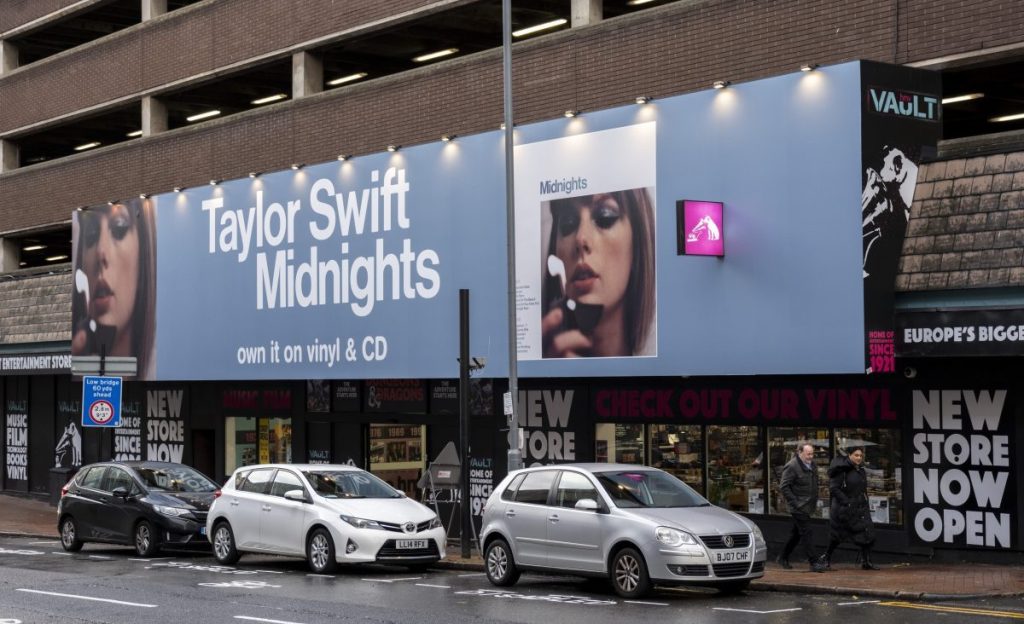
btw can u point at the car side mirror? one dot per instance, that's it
(296, 495)
(121, 492)
(587, 504)
(400, 492)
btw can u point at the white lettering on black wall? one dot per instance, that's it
(165, 427)
(544, 421)
(962, 471)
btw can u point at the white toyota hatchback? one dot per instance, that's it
(325, 513)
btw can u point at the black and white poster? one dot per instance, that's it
(128, 437)
(346, 396)
(165, 425)
(16, 459)
(901, 124)
(67, 451)
(964, 491)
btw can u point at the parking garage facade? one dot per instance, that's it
(169, 104)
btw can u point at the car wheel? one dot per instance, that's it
(629, 574)
(320, 552)
(224, 550)
(69, 535)
(732, 587)
(501, 566)
(147, 542)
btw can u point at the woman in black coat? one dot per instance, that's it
(850, 515)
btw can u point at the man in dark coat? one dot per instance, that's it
(800, 488)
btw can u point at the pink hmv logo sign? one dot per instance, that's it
(700, 228)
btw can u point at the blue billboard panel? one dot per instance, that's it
(351, 270)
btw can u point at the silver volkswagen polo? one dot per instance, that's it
(635, 525)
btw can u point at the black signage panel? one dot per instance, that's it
(405, 396)
(345, 396)
(960, 333)
(444, 396)
(900, 126)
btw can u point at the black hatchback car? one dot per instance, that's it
(140, 503)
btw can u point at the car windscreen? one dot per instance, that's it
(348, 484)
(648, 488)
(174, 479)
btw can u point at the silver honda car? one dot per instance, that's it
(634, 525)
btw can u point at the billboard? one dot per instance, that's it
(351, 270)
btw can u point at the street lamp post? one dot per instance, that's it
(515, 457)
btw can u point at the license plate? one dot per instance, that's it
(202, 530)
(730, 556)
(411, 544)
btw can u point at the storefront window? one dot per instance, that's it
(241, 443)
(396, 455)
(884, 467)
(250, 440)
(782, 442)
(279, 440)
(678, 449)
(620, 444)
(736, 468)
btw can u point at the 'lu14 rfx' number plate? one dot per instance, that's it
(732, 556)
(411, 544)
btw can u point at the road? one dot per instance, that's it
(39, 583)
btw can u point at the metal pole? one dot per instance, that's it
(464, 421)
(515, 457)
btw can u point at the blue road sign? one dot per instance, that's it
(101, 401)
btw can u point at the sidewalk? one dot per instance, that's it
(23, 516)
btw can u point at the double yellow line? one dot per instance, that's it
(1013, 615)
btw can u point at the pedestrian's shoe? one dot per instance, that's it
(784, 562)
(867, 565)
(826, 562)
(817, 566)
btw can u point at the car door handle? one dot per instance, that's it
(266, 508)
(233, 503)
(553, 517)
(511, 513)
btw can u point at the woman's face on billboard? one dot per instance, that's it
(594, 239)
(111, 262)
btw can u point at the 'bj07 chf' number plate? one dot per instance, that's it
(730, 556)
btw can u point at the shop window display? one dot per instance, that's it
(884, 467)
(679, 450)
(619, 444)
(736, 468)
(396, 455)
(782, 443)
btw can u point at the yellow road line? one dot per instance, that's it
(962, 610)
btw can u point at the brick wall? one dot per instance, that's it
(181, 44)
(14, 13)
(677, 48)
(36, 308)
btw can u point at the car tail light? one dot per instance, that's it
(64, 491)
(216, 493)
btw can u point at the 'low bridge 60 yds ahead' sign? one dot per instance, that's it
(101, 401)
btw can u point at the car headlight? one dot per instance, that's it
(176, 512)
(758, 537)
(674, 537)
(362, 523)
(435, 523)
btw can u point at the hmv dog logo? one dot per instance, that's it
(706, 229)
(700, 228)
